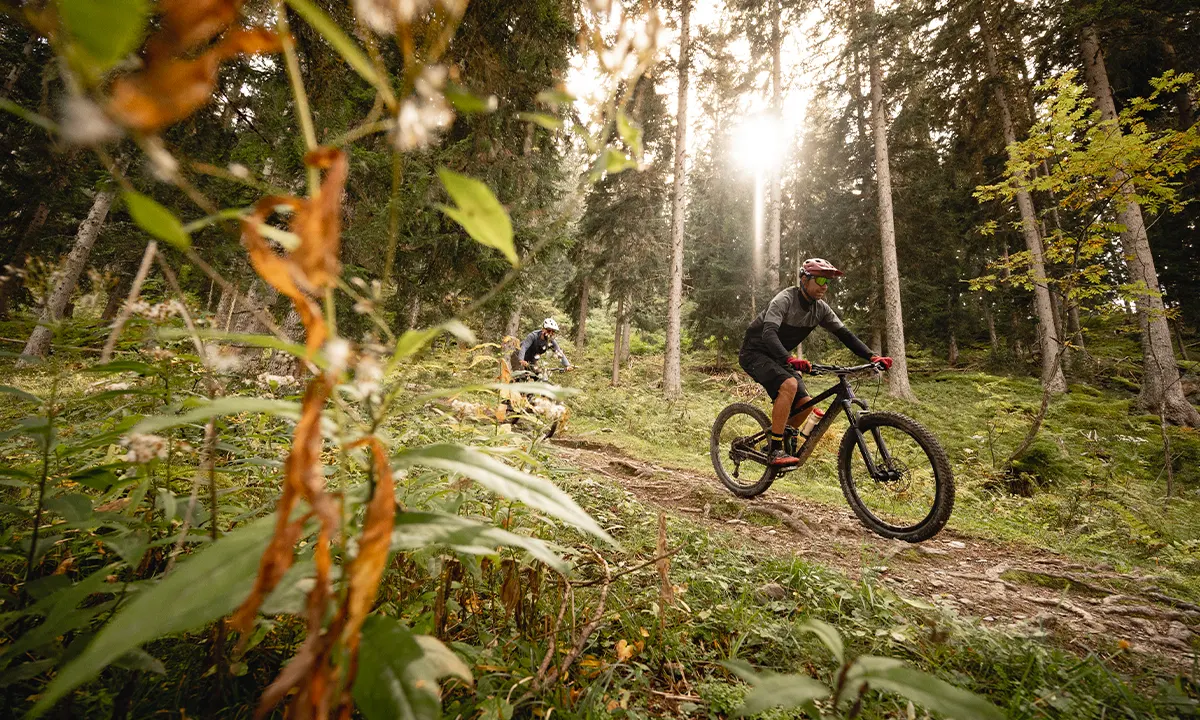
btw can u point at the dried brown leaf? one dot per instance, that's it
(172, 88)
(188, 24)
(301, 464)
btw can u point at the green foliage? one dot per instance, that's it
(479, 213)
(204, 588)
(399, 673)
(104, 30)
(157, 220)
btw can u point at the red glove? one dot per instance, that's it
(800, 365)
(883, 360)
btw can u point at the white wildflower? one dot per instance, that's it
(163, 164)
(144, 448)
(84, 123)
(368, 378)
(1131, 439)
(382, 16)
(548, 409)
(222, 360)
(364, 306)
(337, 352)
(430, 82)
(239, 171)
(424, 114)
(410, 132)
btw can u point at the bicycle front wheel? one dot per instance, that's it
(910, 494)
(739, 435)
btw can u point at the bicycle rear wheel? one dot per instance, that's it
(911, 494)
(739, 431)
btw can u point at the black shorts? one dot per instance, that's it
(770, 374)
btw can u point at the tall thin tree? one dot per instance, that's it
(898, 384)
(85, 239)
(672, 380)
(773, 179)
(1161, 390)
(1052, 374)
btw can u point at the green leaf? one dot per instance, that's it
(615, 161)
(787, 691)
(72, 506)
(545, 120)
(340, 41)
(415, 530)
(269, 342)
(106, 30)
(120, 366)
(207, 586)
(479, 213)
(931, 693)
(465, 101)
(413, 341)
(131, 546)
(18, 392)
(631, 133)
(555, 97)
(828, 635)
(399, 673)
(504, 480)
(221, 406)
(99, 477)
(157, 220)
(60, 609)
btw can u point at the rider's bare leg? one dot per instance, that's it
(783, 405)
(798, 419)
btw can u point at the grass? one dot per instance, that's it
(1094, 477)
(1095, 494)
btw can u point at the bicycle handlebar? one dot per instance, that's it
(837, 370)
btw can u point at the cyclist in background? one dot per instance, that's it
(538, 342)
(773, 336)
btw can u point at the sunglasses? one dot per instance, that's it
(821, 280)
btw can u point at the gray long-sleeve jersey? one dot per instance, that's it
(789, 319)
(535, 344)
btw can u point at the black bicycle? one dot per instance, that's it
(893, 471)
(527, 407)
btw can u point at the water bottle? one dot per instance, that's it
(811, 422)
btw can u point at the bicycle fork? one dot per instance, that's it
(887, 475)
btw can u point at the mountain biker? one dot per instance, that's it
(537, 342)
(775, 333)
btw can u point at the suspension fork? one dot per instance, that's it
(848, 401)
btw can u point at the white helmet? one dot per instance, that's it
(549, 324)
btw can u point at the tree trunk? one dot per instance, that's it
(626, 334)
(672, 382)
(1182, 345)
(1074, 326)
(952, 351)
(39, 340)
(993, 338)
(116, 295)
(773, 193)
(1052, 375)
(585, 290)
(8, 288)
(414, 312)
(898, 375)
(618, 333)
(514, 322)
(1160, 375)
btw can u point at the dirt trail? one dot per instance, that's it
(1085, 607)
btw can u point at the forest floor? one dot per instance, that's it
(1012, 586)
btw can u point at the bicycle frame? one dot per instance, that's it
(844, 401)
